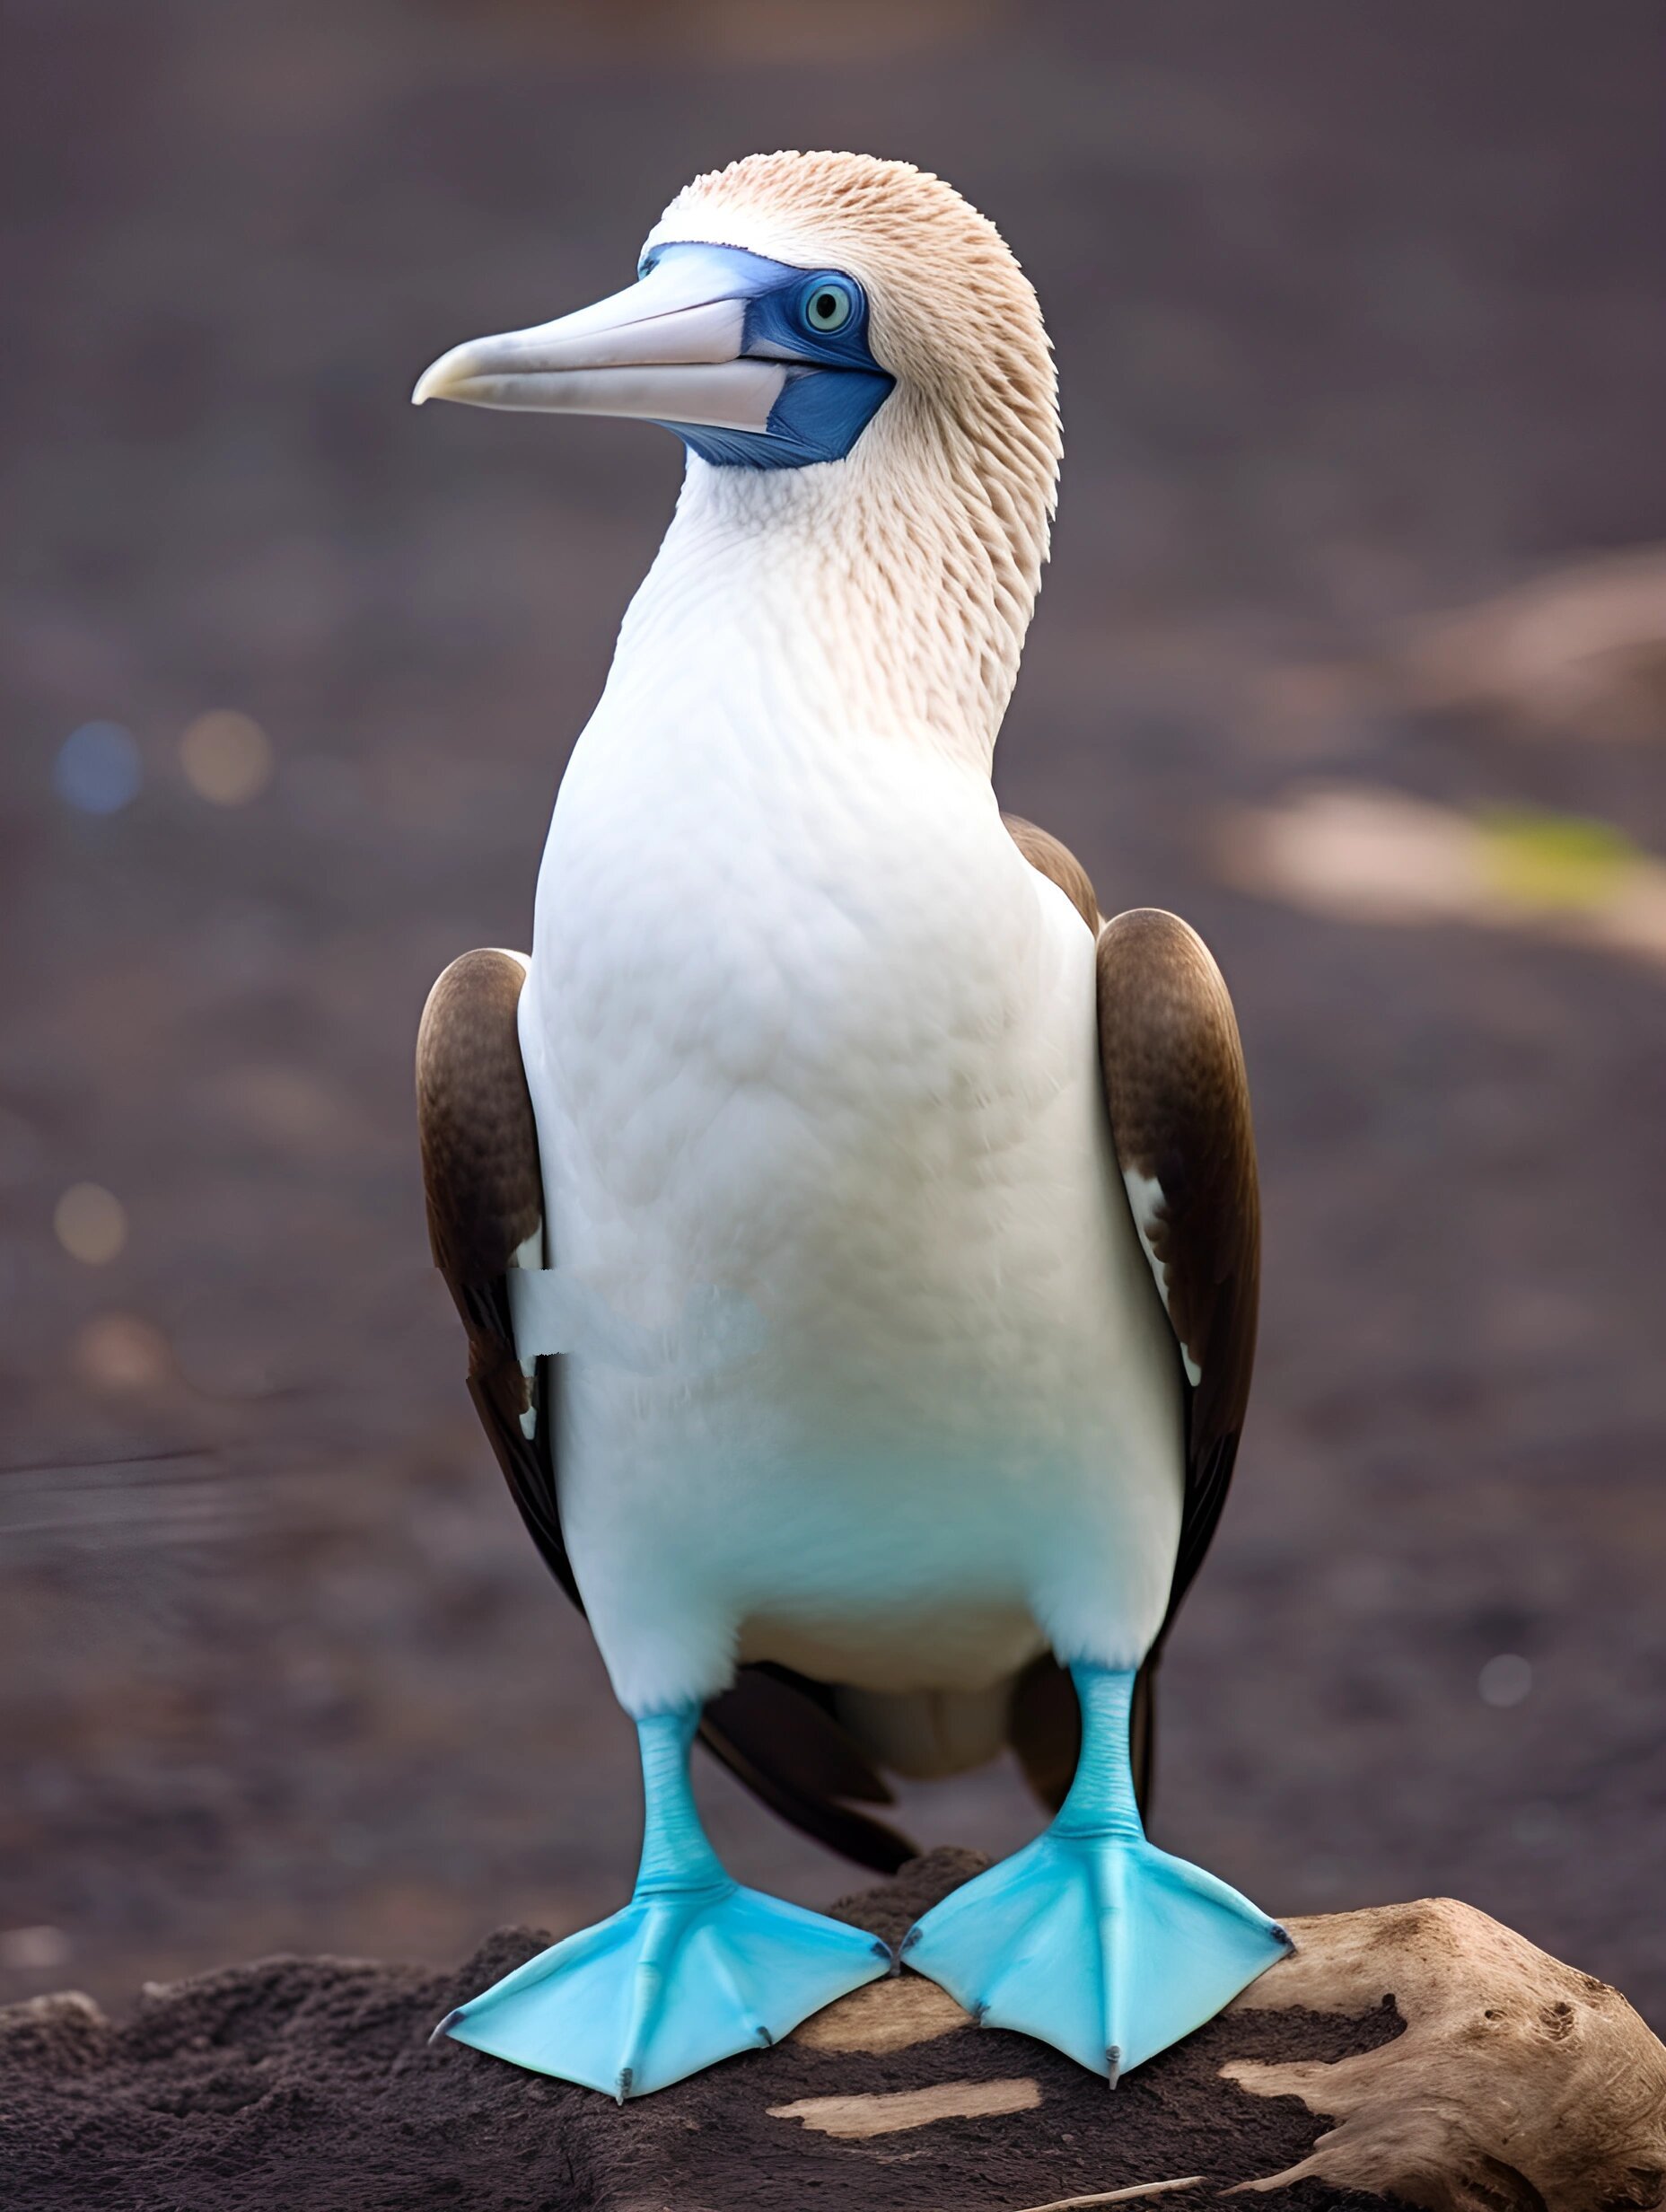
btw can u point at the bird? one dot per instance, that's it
(857, 1233)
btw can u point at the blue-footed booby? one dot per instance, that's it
(857, 1237)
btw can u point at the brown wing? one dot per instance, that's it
(485, 1214)
(1179, 1102)
(486, 1207)
(1058, 862)
(1179, 1116)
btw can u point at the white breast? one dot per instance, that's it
(805, 1029)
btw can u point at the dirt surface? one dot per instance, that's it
(300, 2085)
(1358, 318)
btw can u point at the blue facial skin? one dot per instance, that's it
(834, 386)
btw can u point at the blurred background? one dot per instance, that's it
(1354, 651)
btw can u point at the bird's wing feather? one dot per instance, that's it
(1058, 862)
(485, 1214)
(486, 1217)
(1179, 1116)
(1179, 1102)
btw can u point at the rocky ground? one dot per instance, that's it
(293, 2080)
(1359, 323)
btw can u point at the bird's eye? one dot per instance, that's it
(827, 305)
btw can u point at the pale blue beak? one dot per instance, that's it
(667, 349)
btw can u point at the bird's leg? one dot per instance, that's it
(1090, 1937)
(693, 1970)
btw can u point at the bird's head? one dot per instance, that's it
(834, 314)
(785, 306)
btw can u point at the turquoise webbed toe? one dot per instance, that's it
(1091, 1938)
(693, 1970)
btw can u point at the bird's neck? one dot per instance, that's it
(834, 603)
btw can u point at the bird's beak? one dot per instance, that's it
(667, 349)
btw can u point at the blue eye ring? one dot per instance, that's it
(827, 305)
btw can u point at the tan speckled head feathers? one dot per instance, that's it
(967, 447)
(952, 312)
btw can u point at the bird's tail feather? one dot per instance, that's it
(776, 1732)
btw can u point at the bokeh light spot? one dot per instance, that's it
(92, 1223)
(97, 769)
(121, 1352)
(39, 1950)
(226, 757)
(1505, 1680)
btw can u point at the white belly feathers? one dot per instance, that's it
(814, 1054)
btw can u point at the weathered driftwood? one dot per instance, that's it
(1464, 2070)
(1517, 2081)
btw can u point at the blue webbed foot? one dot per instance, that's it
(693, 1970)
(677, 1981)
(1091, 1938)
